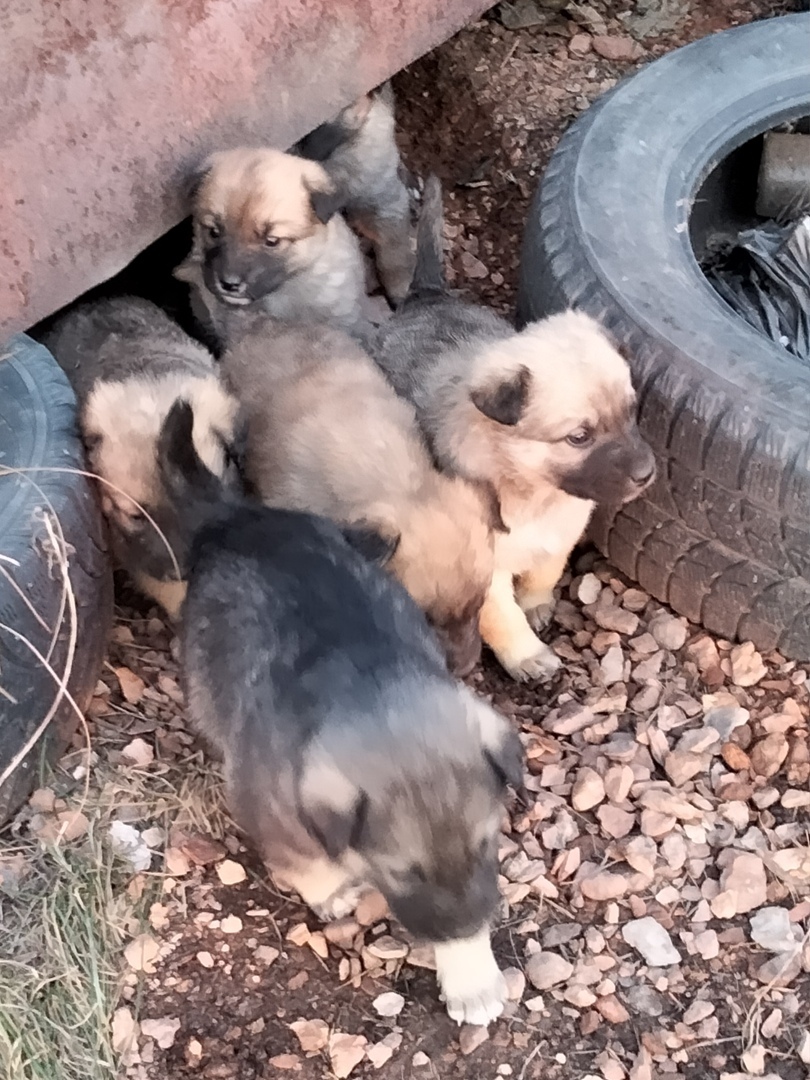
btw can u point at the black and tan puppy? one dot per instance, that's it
(546, 416)
(351, 756)
(267, 231)
(327, 433)
(359, 151)
(128, 363)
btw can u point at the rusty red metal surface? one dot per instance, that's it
(105, 106)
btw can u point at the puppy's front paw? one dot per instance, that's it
(478, 1004)
(341, 904)
(470, 982)
(542, 663)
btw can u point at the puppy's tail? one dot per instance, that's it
(197, 495)
(428, 277)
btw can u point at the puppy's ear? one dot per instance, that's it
(325, 204)
(194, 180)
(333, 809)
(502, 748)
(489, 494)
(234, 445)
(372, 542)
(504, 399)
(91, 442)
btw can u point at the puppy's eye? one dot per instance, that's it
(579, 438)
(271, 241)
(213, 230)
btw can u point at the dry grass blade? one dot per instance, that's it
(59, 968)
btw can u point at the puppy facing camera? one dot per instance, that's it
(352, 758)
(267, 231)
(128, 363)
(546, 417)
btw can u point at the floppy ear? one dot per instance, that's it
(501, 746)
(325, 204)
(333, 809)
(489, 494)
(504, 400)
(372, 543)
(193, 181)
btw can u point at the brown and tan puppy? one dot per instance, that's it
(327, 434)
(359, 151)
(546, 416)
(128, 363)
(267, 231)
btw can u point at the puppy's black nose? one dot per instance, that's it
(643, 469)
(231, 284)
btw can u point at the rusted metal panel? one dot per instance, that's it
(106, 105)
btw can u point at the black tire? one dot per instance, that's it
(38, 432)
(724, 534)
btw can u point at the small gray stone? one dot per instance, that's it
(725, 718)
(560, 934)
(651, 941)
(547, 969)
(668, 630)
(643, 999)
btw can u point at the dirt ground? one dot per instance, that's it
(669, 770)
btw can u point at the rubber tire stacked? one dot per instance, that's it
(38, 433)
(724, 534)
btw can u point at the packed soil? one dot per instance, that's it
(658, 760)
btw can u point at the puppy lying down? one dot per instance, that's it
(351, 756)
(327, 434)
(546, 416)
(128, 362)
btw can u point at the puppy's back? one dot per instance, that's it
(325, 430)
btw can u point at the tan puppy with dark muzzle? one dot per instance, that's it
(359, 151)
(546, 416)
(128, 363)
(327, 434)
(267, 231)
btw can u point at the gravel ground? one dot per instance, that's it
(656, 885)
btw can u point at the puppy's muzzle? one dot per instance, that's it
(641, 469)
(232, 288)
(461, 642)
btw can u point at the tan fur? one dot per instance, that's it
(123, 419)
(577, 379)
(250, 195)
(260, 191)
(328, 434)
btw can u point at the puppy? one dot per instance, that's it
(352, 758)
(327, 434)
(546, 416)
(128, 362)
(267, 231)
(359, 151)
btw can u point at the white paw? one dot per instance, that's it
(542, 663)
(477, 1004)
(341, 904)
(470, 982)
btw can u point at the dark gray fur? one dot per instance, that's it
(293, 643)
(359, 151)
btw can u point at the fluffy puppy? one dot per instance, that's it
(546, 416)
(352, 758)
(128, 362)
(327, 434)
(359, 151)
(267, 231)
